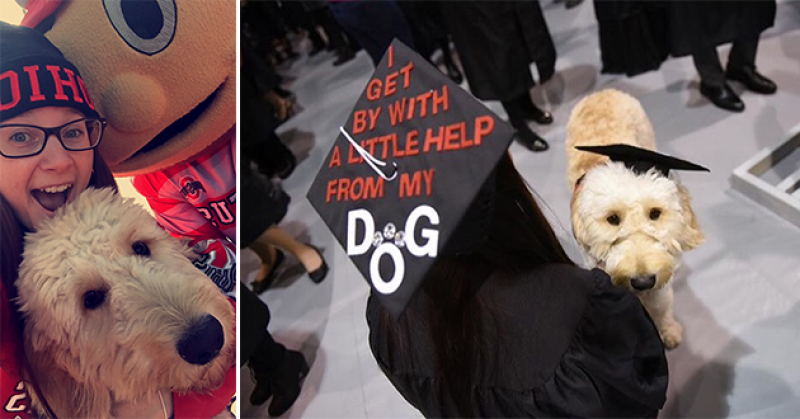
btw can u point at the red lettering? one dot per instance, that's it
(357, 182)
(385, 140)
(484, 125)
(59, 83)
(411, 103)
(390, 87)
(428, 175)
(396, 111)
(336, 158)
(410, 186)
(353, 157)
(423, 98)
(374, 90)
(359, 122)
(34, 79)
(396, 152)
(85, 93)
(430, 139)
(373, 188)
(451, 136)
(412, 144)
(442, 100)
(330, 190)
(407, 74)
(391, 56)
(13, 81)
(373, 117)
(344, 186)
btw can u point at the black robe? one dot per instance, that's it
(558, 341)
(497, 41)
(707, 24)
(637, 35)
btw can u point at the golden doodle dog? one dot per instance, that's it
(631, 217)
(116, 313)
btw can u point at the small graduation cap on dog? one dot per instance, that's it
(403, 172)
(641, 160)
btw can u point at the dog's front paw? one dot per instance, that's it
(671, 334)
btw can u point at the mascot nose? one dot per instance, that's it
(202, 342)
(643, 283)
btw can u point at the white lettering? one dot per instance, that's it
(353, 216)
(430, 247)
(399, 268)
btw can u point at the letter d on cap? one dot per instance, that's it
(353, 216)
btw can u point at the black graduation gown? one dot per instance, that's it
(560, 342)
(262, 203)
(497, 41)
(636, 36)
(633, 35)
(707, 24)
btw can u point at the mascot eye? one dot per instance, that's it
(655, 213)
(613, 219)
(148, 26)
(140, 249)
(93, 299)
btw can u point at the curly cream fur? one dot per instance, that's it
(638, 246)
(86, 360)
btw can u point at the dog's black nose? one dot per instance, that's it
(202, 342)
(643, 282)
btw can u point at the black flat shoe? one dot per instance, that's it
(319, 274)
(723, 97)
(753, 80)
(261, 285)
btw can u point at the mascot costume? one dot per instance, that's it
(163, 73)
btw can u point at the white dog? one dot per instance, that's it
(633, 225)
(115, 312)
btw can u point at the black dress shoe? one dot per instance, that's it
(319, 274)
(287, 382)
(529, 139)
(753, 80)
(723, 97)
(537, 115)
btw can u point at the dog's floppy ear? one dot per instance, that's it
(66, 396)
(578, 227)
(691, 236)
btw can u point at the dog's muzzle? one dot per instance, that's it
(202, 342)
(643, 283)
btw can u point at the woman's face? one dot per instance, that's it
(36, 186)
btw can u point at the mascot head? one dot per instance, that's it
(162, 72)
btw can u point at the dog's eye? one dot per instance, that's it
(655, 213)
(93, 299)
(613, 219)
(140, 249)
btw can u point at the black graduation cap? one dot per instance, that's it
(641, 160)
(404, 170)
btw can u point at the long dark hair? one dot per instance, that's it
(520, 238)
(12, 233)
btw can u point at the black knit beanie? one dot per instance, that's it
(34, 74)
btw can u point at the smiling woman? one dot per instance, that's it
(49, 131)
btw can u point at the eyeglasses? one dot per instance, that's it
(21, 140)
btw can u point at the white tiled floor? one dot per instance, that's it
(737, 294)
